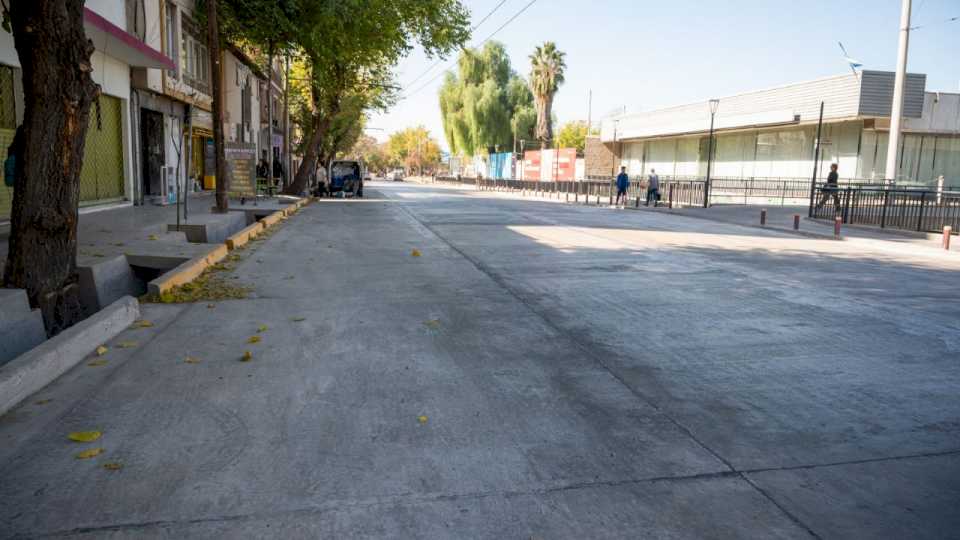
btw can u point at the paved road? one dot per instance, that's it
(541, 371)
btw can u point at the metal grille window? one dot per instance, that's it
(101, 178)
(8, 109)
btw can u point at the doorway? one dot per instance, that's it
(151, 133)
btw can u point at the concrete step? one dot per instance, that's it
(14, 305)
(21, 328)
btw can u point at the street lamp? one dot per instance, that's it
(714, 105)
(616, 124)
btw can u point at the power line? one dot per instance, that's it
(945, 21)
(435, 64)
(502, 26)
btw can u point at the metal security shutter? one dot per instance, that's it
(101, 178)
(8, 126)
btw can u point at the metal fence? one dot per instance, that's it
(897, 208)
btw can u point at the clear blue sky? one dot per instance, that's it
(645, 55)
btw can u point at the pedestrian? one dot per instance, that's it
(263, 168)
(831, 189)
(623, 181)
(653, 188)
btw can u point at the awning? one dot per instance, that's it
(112, 40)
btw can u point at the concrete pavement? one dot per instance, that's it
(542, 370)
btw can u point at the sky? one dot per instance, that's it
(643, 55)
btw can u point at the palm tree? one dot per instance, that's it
(546, 76)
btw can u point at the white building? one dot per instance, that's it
(107, 175)
(772, 133)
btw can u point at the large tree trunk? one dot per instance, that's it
(310, 156)
(54, 54)
(216, 77)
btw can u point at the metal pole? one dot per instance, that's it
(816, 157)
(706, 184)
(287, 158)
(899, 82)
(269, 116)
(189, 115)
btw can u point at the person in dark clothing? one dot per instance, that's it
(263, 168)
(623, 181)
(278, 172)
(831, 189)
(653, 188)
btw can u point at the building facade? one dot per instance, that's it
(107, 175)
(773, 133)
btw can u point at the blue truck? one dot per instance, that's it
(346, 178)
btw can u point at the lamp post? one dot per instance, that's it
(616, 123)
(714, 105)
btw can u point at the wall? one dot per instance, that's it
(598, 158)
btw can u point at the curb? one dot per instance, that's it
(33, 370)
(187, 272)
(241, 237)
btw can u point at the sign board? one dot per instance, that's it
(531, 165)
(241, 167)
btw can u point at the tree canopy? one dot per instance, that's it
(485, 103)
(547, 68)
(414, 148)
(573, 135)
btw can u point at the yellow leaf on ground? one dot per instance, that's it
(101, 350)
(42, 401)
(142, 323)
(87, 454)
(113, 466)
(432, 323)
(298, 319)
(262, 328)
(97, 363)
(191, 360)
(126, 344)
(84, 436)
(253, 339)
(152, 237)
(415, 253)
(247, 356)
(211, 306)
(422, 419)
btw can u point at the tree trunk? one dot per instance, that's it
(216, 77)
(270, 113)
(310, 156)
(54, 54)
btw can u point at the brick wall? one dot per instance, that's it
(598, 157)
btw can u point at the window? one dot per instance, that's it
(170, 36)
(195, 57)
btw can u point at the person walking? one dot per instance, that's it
(832, 188)
(653, 188)
(623, 181)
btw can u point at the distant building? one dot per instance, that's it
(772, 133)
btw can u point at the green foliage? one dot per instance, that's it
(486, 103)
(414, 149)
(573, 135)
(546, 75)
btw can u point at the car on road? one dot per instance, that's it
(396, 175)
(346, 177)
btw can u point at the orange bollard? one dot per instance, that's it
(946, 237)
(796, 222)
(836, 226)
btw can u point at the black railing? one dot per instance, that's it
(923, 210)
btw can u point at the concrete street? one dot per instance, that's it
(542, 370)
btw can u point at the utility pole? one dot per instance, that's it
(286, 119)
(816, 158)
(269, 113)
(589, 112)
(896, 113)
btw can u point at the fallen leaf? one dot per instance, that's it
(432, 323)
(87, 454)
(97, 363)
(247, 356)
(84, 436)
(142, 323)
(253, 339)
(415, 253)
(126, 344)
(191, 360)
(211, 306)
(422, 419)
(101, 350)
(118, 244)
(113, 466)
(42, 401)
(262, 328)
(289, 277)
(152, 237)
(298, 319)
(167, 298)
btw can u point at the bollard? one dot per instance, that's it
(836, 226)
(796, 222)
(763, 217)
(638, 201)
(946, 237)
